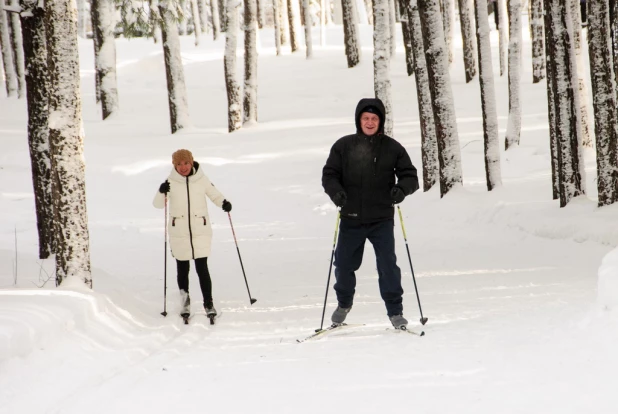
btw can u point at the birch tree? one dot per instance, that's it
(308, 26)
(37, 95)
(551, 106)
(381, 60)
(66, 141)
(251, 56)
(581, 72)
(350, 33)
(392, 29)
(10, 76)
(613, 18)
(429, 144)
(277, 24)
(488, 98)
(436, 53)
(103, 23)
(260, 13)
(467, 35)
(448, 16)
(17, 45)
(604, 100)
(503, 29)
(568, 123)
(234, 100)
(369, 8)
(214, 16)
(176, 88)
(293, 24)
(197, 27)
(536, 32)
(283, 20)
(513, 129)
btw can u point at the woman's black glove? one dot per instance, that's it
(164, 188)
(227, 206)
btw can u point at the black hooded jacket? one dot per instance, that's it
(365, 167)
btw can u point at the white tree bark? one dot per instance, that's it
(251, 56)
(293, 24)
(448, 16)
(197, 27)
(277, 23)
(154, 18)
(604, 100)
(103, 24)
(513, 128)
(66, 137)
(581, 73)
(234, 99)
(488, 98)
(214, 15)
(176, 88)
(503, 30)
(381, 61)
(392, 29)
(308, 27)
(467, 35)
(7, 55)
(538, 44)
(284, 21)
(350, 33)
(18, 50)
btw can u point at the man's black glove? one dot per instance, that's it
(397, 195)
(164, 188)
(227, 206)
(340, 199)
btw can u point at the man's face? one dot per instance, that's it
(369, 123)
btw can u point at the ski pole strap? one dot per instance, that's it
(402, 226)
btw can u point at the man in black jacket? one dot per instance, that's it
(360, 178)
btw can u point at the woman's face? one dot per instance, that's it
(184, 168)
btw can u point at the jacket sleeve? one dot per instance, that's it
(159, 200)
(332, 171)
(215, 195)
(407, 177)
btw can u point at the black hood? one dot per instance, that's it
(365, 103)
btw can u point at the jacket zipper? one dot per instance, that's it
(189, 220)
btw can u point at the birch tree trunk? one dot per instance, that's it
(613, 18)
(503, 29)
(488, 98)
(581, 73)
(214, 15)
(197, 27)
(350, 33)
(251, 56)
(381, 61)
(260, 13)
(37, 95)
(18, 51)
(222, 15)
(234, 100)
(436, 53)
(66, 141)
(448, 16)
(369, 8)
(103, 22)
(176, 88)
(392, 29)
(293, 24)
(7, 56)
(467, 35)
(203, 16)
(284, 22)
(429, 144)
(568, 126)
(604, 100)
(308, 27)
(277, 23)
(513, 129)
(536, 31)
(551, 104)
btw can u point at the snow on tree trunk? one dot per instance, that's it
(448, 17)
(568, 125)
(277, 23)
(407, 43)
(350, 33)
(581, 73)
(551, 105)
(329, 12)
(488, 98)
(234, 99)
(293, 24)
(369, 9)
(513, 128)
(536, 32)
(10, 76)
(37, 95)
(103, 24)
(467, 35)
(222, 15)
(429, 144)
(251, 56)
(214, 15)
(604, 101)
(18, 50)
(392, 29)
(503, 30)
(283, 21)
(154, 19)
(203, 15)
(613, 18)
(176, 88)
(308, 26)
(436, 53)
(381, 60)
(182, 24)
(66, 143)
(260, 13)
(197, 29)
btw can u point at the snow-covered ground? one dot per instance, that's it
(507, 279)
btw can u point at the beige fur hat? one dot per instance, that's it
(182, 155)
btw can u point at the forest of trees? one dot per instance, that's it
(40, 62)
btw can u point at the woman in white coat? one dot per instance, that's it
(189, 228)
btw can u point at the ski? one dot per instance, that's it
(404, 329)
(323, 332)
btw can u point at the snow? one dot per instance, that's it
(510, 282)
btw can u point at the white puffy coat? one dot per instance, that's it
(189, 228)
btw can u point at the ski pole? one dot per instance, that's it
(330, 268)
(423, 319)
(240, 258)
(164, 313)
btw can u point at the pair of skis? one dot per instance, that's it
(338, 327)
(187, 316)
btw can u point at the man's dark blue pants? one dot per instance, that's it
(349, 256)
